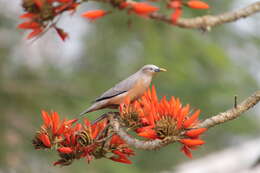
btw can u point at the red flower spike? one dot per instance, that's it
(142, 8)
(192, 119)
(44, 139)
(46, 119)
(70, 122)
(197, 4)
(61, 129)
(35, 33)
(195, 132)
(121, 160)
(65, 150)
(175, 4)
(147, 133)
(39, 3)
(29, 25)
(94, 14)
(87, 122)
(154, 95)
(186, 151)
(192, 142)
(28, 15)
(55, 122)
(176, 15)
(123, 5)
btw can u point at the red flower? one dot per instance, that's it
(29, 25)
(121, 150)
(192, 142)
(152, 118)
(66, 150)
(44, 139)
(94, 14)
(143, 8)
(28, 15)
(41, 14)
(176, 15)
(197, 4)
(195, 132)
(53, 122)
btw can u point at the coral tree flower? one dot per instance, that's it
(143, 8)
(197, 4)
(74, 140)
(152, 118)
(40, 15)
(94, 14)
(177, 6)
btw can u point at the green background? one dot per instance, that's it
(205, 70)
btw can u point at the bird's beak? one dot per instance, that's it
(162, 70)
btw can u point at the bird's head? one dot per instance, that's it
(151, 69)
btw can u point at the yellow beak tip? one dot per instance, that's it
(163, 69)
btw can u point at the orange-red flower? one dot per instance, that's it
(52, 121)
(120, 149)
(75, 140)
(143, 8)
(40, 15)
(66, 150)
(158, 119)
(197, 4)
(177, 6)
(44, 139)
(94, 14)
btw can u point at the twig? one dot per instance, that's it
(208, 21)
(235, 102)
(231, 113)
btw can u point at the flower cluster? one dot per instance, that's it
(177, 6)
(152, 118)
(41, 15)
(145, 9)
(73, 140)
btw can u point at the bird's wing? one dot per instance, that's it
(119, 88)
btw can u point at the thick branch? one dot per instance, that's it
(208, 21)
(210, 122)
(231, 113)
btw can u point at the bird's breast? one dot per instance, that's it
(134, 93)
(139, 88)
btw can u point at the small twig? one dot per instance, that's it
(235, 101)
(232, 113)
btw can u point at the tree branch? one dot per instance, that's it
(223, 117)
(208, 21)
(231, 113)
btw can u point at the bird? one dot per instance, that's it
(132, 87)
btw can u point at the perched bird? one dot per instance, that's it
(132, 87)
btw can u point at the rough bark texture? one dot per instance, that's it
(209, 21)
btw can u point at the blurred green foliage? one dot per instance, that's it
(200, 72)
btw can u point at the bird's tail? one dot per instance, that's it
(82, 114)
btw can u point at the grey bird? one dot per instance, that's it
(132, 87)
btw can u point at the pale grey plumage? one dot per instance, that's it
(114, 96)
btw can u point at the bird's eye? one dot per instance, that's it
(151, 69)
